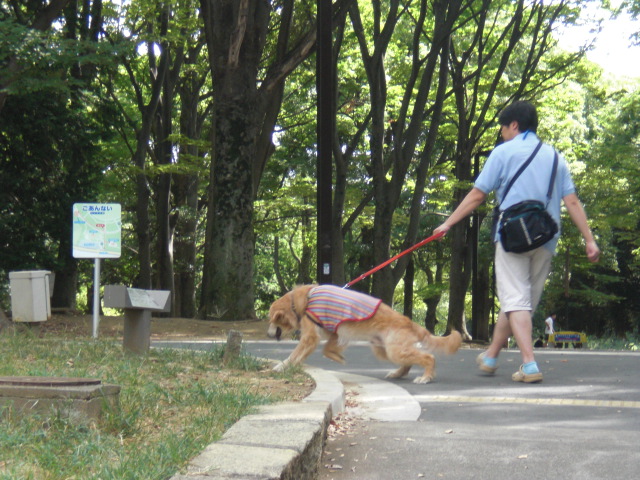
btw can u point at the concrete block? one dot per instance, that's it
(138, 305)
(291, 435)
(223, 461)
(119, 296)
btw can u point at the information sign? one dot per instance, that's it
(97, 230)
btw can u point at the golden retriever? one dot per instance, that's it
(392, 336)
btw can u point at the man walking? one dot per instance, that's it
(520, 277)
(548, 326)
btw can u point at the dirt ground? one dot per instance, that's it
(79, 325)
(76, 325)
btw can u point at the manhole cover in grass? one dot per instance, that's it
(49, 381)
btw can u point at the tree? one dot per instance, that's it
(247, 98)
(600, 137)
(424, 84)
(18, 20)
(165, 165)
(186, 185)
(52, 119)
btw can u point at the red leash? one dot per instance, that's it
(401, 254)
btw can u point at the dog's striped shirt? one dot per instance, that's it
(329, 306)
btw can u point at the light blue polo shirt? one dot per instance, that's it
(533, 183)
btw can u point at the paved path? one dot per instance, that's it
(582, 422)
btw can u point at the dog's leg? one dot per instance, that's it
(399, 373)
(405, 353)
(333, 350)
(428, 361)
(282, 366)
(309, 340)
(380, 352)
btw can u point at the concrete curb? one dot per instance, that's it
(282, 441)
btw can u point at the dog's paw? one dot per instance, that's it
(423, 379)
(335, 357)
(279, 367)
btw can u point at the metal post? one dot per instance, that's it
(96, 296)
(325, 132)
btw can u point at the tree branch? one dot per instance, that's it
(238, 34)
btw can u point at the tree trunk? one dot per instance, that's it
(143, 191)
(185, 246)
(165, 222)
(185, 186)
(460, 273)
(235, 34)
(484, 299)
(185, 194)
(365, 260)
(304, 265)
(459, 278)
(5, 323)
(243, 120)
(66, 279)
(64, 287)
(432, 301)
(228, 277)
(408, 289)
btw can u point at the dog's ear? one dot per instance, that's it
(276, 315)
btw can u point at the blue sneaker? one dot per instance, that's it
(484, 366)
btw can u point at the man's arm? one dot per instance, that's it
(474, 198)
(579, 218)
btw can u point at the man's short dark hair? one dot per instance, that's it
(522, 112)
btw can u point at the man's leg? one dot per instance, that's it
(520, 322)
(501, 332)
(513, 275)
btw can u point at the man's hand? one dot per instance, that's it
(593, 252)
(443, 229)
(469, 203)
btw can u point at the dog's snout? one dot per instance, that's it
(274, 332)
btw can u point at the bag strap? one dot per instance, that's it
(520, 170)
(553, 177)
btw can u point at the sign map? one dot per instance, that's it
(97, 230)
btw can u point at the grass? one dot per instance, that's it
(629, 342)
(172, 404)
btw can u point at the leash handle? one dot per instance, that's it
(401, 254)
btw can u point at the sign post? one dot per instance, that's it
(97, 233)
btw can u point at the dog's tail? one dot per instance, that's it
(447, 345)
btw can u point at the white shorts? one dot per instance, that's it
(520, 278)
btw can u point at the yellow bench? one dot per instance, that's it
(563, 339)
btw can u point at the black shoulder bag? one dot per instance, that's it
(527, 225)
